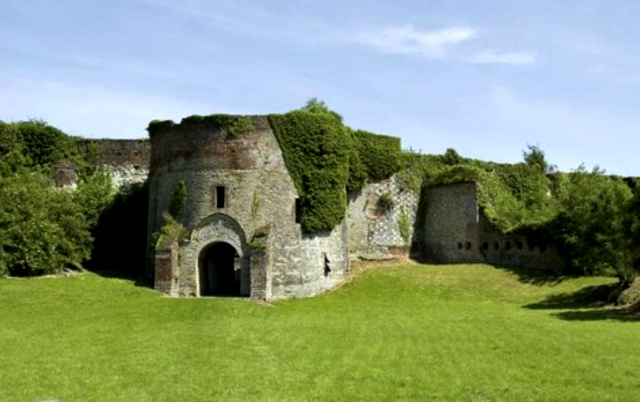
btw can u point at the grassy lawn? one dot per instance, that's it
(411, 332)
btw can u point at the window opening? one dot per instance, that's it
(220, 200)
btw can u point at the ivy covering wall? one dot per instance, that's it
(234, 125)
(327, 160)
(313, 146)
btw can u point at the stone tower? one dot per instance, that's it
(243, 236)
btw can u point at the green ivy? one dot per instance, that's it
(511, 196)
(380, 154)
(386, 201)
(260, 238)
(233, 125)
(178, 198)
(171, 232)
(404, 226)
(313, 147)
(255, 206)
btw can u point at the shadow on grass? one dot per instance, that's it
(120, 245)
(628, 314)
(537, 277)
(592, 303)
(130, 275)
(587, 297)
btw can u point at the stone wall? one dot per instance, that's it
(514, 250)
(126, 161)
(456, 231)
(374, 231)
(451, 222)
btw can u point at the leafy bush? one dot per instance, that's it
(385, 201)
(45, 145)
(42, 230)
(171, 232)
(94, 193)
(589, 229)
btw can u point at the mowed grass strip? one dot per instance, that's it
(406, 332)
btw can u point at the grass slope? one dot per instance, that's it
(465, 333)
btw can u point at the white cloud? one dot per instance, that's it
(409, 40)
(455, 43)
(513, 58)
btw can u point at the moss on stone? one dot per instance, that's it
(233, 125)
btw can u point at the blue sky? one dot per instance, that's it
(483, 77)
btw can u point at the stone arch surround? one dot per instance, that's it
(218, 228)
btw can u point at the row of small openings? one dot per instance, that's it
(496, 246)
(507, 245)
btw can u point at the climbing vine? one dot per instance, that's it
(404, 226)
(178, 199)
(233, 125)
(255, 206)
(314, 153)
(327, 160)
(380, 154)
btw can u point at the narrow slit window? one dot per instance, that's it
(220, 197)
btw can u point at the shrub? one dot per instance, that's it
(589, 228)
(385, 201)
(171, 232)
(42, 230)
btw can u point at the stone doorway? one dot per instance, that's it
(220, 271)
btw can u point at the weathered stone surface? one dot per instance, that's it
(258, 192)
(374, 232)
(456, 231)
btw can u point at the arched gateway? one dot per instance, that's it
(220, 270)
(223, 266)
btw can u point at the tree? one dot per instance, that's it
(535, 157)
(451, 157)
(632, 228)
(589, 228)
(314, 105)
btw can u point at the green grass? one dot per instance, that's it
(462, 333)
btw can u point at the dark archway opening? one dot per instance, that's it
(220, 271)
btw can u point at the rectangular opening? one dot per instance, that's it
(297, 210)
(220, 201)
